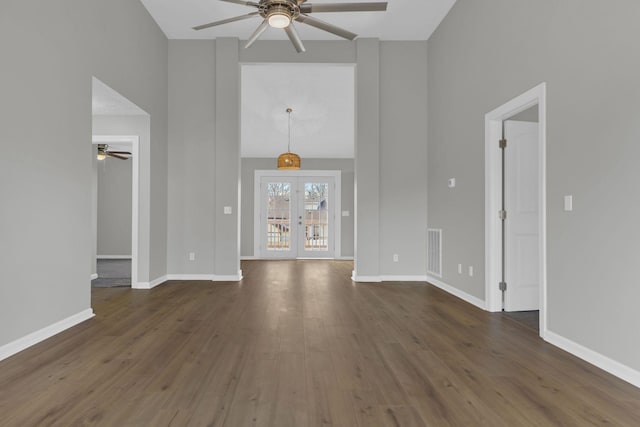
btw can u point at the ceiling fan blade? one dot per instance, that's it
(226, 21)
(246, 3)
(257, 33)
(117, 156)
(295, 38)
(314, 22)
(120, 152)
(343, 7)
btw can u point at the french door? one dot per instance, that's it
(297, 215)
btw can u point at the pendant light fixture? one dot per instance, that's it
(289, 160)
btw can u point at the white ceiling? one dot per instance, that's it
(322, 97)
(403, 20)
(108, 102)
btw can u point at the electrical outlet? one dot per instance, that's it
(471, 271)
(192, 256)
(395, 258)
(459, 268)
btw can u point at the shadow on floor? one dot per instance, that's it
(112, 273)
(529, 319)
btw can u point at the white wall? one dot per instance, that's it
(50, 51)
(484, 54)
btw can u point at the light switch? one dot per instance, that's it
(568, 203)
(345, 213)
(451, 183)
(228, 210)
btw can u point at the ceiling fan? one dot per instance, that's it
(104, 152)
(282, 13)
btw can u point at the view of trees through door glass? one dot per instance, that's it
(316, 219)
(296, 216)
(279, 216)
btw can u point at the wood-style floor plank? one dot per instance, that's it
(296, 343)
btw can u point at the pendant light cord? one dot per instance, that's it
(289, 110)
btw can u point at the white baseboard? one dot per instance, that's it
(401, 278)
(94, 276)
(603, 362)
(457, 292)
(33, 338)
(228, 278)
(150, 285)
(365, 279)
(259, 258)
(113, 256)
(207, 277)
(388, 278)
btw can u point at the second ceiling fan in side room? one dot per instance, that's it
(282, 13)
(104, 152)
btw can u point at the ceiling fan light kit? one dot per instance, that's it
(279, 17)
(281, 14)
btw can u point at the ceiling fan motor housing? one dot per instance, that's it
(288, 8)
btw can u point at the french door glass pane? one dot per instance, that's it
(278, 216)
(316, 218)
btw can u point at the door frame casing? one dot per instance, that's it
(134, 142)
(493, 189)
(257, 206)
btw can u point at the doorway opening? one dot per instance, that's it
(114, 265)
(297, 214)
(322, 132)
(121, 125)
(515, 227)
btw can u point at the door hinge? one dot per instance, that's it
(502, 215)
(503, 286)
(503, 143)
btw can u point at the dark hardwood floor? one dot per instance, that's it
(296, 343)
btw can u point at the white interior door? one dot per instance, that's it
(297, 216)
(522, 233)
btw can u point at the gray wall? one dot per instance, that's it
(114, 207)
(484, 54)
(250, 165)
(403, 158)
(204, 166)
(50, 50)
(528, 115)
(191, 156)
